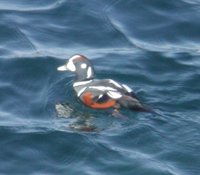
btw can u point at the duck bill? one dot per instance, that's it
(62, 68)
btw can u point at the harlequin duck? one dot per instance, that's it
(100, 93)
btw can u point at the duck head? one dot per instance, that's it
(81, 66)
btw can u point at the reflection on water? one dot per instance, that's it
(83, 122)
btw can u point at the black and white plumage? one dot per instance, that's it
(100, 93)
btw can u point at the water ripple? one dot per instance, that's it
(152, 46)
(23, 6)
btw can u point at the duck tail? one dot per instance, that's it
(134, 104)
(141, 108)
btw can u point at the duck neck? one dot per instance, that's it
(84, 75)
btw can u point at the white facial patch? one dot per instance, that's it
(89, 72)
(71, 66)
(127, 88)
(114, 95)
(83, 66)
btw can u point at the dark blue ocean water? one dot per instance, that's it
(152, 46)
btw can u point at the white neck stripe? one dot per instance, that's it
(79, 83)
(102, 88)
(81, 91)
(89, 72)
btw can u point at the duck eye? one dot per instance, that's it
(83, 66)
